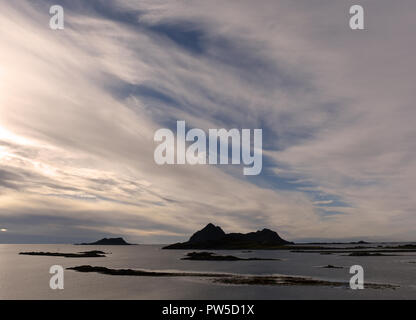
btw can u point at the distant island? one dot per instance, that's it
(213, 237)
(107, 242)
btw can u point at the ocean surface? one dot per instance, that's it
(27, 277)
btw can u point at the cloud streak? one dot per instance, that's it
(79, 109)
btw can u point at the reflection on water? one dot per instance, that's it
(27, 277)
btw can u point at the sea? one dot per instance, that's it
(28, 277)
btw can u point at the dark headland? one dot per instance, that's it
(213, 237)
(107, 242)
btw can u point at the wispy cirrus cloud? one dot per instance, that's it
(79, 109)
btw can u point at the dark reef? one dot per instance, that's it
(210, 256)
(330, 266)
(228, 278)
(368, 254)
(359, 251)
(85, 254)
(142, 273)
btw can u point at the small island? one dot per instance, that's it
(330, 266)
(107, 242)
(369, 254)
(213, 237)
(210, 256)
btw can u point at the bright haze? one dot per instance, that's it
(79, 108)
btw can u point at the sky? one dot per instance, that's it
(79, 108)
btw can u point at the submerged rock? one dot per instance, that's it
(228, 278)
(368, 254)
(210, 256)
(85, 254)
(330, 266)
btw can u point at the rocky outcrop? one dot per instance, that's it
(213, 237)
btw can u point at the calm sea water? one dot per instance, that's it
(27, 277)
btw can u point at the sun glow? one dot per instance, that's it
(9, 136)
(2, 86)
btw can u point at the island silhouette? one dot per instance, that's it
(107, 242)
(213, 237)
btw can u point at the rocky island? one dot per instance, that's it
(107, 242)
(213, 237)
